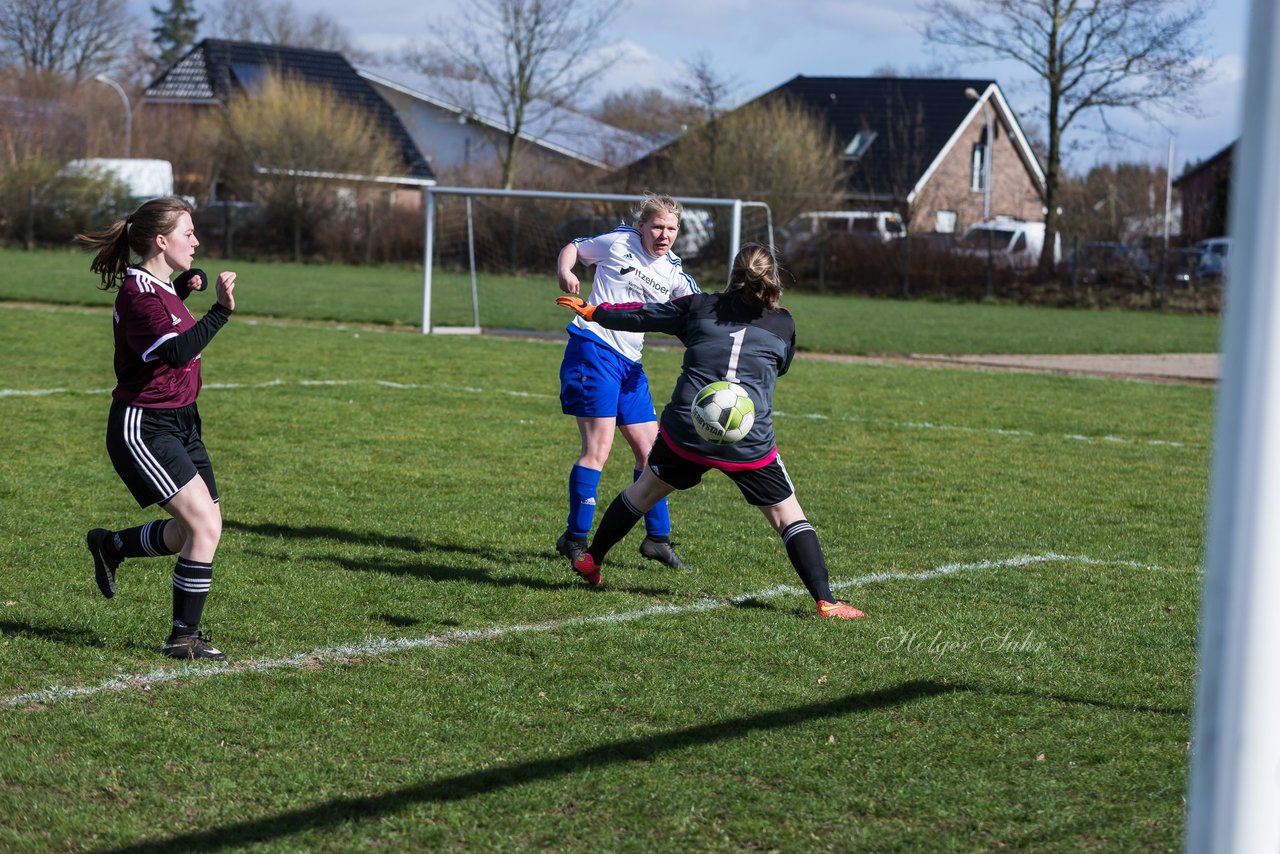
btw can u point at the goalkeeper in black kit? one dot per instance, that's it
(741, 335)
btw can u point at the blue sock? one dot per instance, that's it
(657, 522)
(582, 501)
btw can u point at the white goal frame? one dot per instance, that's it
(430, 192)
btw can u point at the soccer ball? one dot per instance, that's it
(722, 412)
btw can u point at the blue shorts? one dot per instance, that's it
(595, 382)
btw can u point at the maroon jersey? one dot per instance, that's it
(149, 312)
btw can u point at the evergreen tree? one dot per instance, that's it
(175, 31)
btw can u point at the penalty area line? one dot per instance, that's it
(374, 647)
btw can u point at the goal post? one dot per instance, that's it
(699, 231)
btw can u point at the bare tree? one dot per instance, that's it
(899, 128)
(772, 150)
(1114, 202)
(1092, 56)
(529, 56)
(280, 22)
(650, 113)
(710, 94)
(73, 38)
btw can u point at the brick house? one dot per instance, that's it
(917, 145)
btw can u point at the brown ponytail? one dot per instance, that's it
(132, 236)
(757, 274)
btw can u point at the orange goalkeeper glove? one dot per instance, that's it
(579, 306)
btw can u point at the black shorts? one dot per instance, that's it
(156, 452)
(762, 487)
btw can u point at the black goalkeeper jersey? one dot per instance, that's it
(725, 338)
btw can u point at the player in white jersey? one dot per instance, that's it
(602, 383)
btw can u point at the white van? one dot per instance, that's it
(876, 225)
(1014, 242)
(146, 179)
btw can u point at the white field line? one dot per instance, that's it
(347, 654)
(905, 425)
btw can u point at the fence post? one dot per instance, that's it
(1162, 283)
(906, 265)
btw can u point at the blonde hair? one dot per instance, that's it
(757, 274)
(653, 205)
(130, 236)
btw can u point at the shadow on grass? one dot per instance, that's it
(326, 532)
(343, 810)
(1113, 705)
(56, 634)
(424, 570)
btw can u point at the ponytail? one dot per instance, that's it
(134, 235)
(757, 275)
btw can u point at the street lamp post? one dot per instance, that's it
(987, 152)
(128, 112)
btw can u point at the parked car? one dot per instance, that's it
(1108, 262)
(697, 229)
(1215, 257)
(1013, 243)
(881, 226)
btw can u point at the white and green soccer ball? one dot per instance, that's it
(722, 412)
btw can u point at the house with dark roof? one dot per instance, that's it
(461, 126)
(215, 71)
(919, 146)
(1206, 196)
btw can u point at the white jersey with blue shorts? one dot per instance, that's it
(627, 275)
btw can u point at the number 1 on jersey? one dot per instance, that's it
(738, 337)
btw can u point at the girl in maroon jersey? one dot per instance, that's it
(153, 428)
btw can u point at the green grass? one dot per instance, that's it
(834, 324)
(382, 487)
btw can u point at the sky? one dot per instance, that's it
(756, 45)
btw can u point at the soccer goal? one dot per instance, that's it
(475, 231)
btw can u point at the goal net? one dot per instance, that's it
(484, 243)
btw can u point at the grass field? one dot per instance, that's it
(413, 668)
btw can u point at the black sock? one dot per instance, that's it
(618, 520)
(143, 541)
(191, 580)
(806, 556)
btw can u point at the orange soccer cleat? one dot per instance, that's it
(585, 565)
(839, 610)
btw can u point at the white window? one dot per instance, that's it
(977, 172)
(945, 222)
(859, 144)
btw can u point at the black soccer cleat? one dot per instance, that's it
(570, 547)
(104, 568)
(664, 553)
(191, 648)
